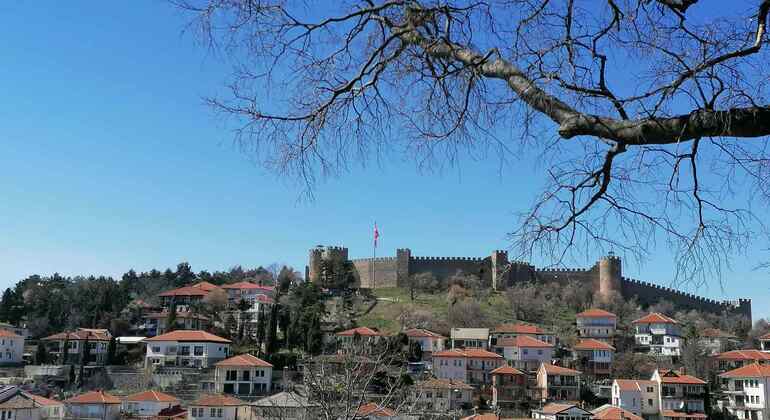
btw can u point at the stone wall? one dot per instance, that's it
(386, 274)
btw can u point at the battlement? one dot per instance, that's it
(375, 259)
(447, 259)
(562, 270)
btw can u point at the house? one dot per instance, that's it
(373, 410)
(198, 349)
(524, 352)
(156, 323)
(716, 341)
(764, 343)
(556, 383)
(561, 411)
(17, 404)
(515, 330)
(680, 395)
(11, 348)
(93, 405)
(509, 387)
(597, 324)
(98, 344)
(637, 396)
(472, 365)
(609, 412)
(365, 334)
(593, 357)
(22, 330)
(441, 395)
(469, 337)
(217, 407)
(148, 403)
(429, 341)
(734, 359)
(187, 295)
(285, 406)
(658, 334)
(243, 375)
(748, 391)
(246, 290)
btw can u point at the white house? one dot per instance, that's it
(442, 395)
(637, 396)
(429, 341)
(593, 357)
(186, 349)
(93, 405)
(764, 343)
(609, 412)
(98, 344)
(716, 341)
(748, 391)
(524, 352)
(598, 324)
(557, 383)
(243, 375)
(680, 395)
(469, 337)
(17, 404)
(562, 411)
(148, 403)
(659, 334)
(365, 334)
(217, 407)
(515, 330)
(472, 365)
(11, 348)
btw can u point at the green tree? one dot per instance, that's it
(111, 351)
(172, 316)
(261, 327)
(41, 356)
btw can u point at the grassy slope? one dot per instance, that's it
(385, 315)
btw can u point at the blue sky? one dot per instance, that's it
(110, 161)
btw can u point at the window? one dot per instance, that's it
(198, 351)
(231, 375)
(649, 402)
(156, 349)
(213, 412)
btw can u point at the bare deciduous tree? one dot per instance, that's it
(650, 116)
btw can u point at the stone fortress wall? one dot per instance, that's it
(605, 277)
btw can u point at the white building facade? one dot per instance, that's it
(198, 349)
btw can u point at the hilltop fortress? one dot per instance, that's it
(605, 277)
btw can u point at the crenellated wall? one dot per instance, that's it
(373, 273)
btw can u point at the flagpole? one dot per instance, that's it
(374, 258)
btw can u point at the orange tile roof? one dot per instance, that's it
(217, 400)
(744, 355)
(422, 332)
(374, 410)
(633, 384)
(559, 370)
(596, 313)
(185, 291)
(507, 370)
(672, 377)
(80, 335)
(179, 314)
(152, 396)
(471, 352)
(765, 337)
(518, 329)
(655, 318)
(556, 408)
(94, 397)
(522, 341)
(247, 285)
(754, 370)
(715, 333)
(592, 344)
(615, 413)
(244, 360)
(45, 401)
(362, 331)
(436, 383)
(205, 286)
(9, 334)
(682, 415)
(189, 335)
(485, 416)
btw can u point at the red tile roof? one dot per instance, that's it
(518, 329)
(672, 377)
(185, 291)
(217, 400)
(179, 314)
(189, 335)
(633, 384)
(436, 383)
(522, 341)
(485, 416)
(754, 370)
(556, 408)
(152, 396)
(655, 318)
(744, 355)
(374, 410)
(615, 413)
(592, 344)
(681, 415)
(244, 360)
(765, 337)
(94, 397)
(506, 370)
(559, 370)
(421, 332)
(715, 333)
(79, 335)
(205, 286)
(471, 352)
(596, 313)
(9, 334)
(247, 285)
(45, 401)
(362, 331)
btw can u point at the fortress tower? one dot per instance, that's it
(610, 275)
(499, 268)
(318, 255)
